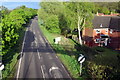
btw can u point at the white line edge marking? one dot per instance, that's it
(43, 72)
(21, 55)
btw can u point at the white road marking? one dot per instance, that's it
(34, 33)
(56, 56)
(35, 42)
(35, 38)
(21, 55)
(47, 53)
(43, 72)
(53, 68)
(38, 54)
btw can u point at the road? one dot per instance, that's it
(38, 59)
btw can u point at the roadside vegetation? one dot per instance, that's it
(13, 23)
(67, 20)
(100, 62)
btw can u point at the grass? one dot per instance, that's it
(68, 51)
(67, 58)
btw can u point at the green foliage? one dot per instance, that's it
(106, 7)
(99, 71)
(65, 15)
(105, 10)
(12, 24)
(52, 24)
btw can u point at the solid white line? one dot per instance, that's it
(21, 55)
(43, 72)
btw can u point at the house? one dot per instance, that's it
(105, 32)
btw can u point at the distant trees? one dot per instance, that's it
(12, 24)
(107, 7)
(49, 15)
(63, 17)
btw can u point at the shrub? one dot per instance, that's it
(99, 71)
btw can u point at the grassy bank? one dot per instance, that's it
(63, 50)
(98, 60)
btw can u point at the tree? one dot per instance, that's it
(69, 16)
(81, 14)
(105, 10)
(12, 25)
(49, 15)
(119, 6)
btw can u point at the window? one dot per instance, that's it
(97, 40)
(111, 31)
(97, 31)
(106, 31)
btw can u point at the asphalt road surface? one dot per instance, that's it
(38, 60)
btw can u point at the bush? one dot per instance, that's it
(99, 71)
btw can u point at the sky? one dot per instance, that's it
(13, 5)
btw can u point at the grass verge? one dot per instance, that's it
(68, 59)
(98, 59)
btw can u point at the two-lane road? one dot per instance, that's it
(38, 60)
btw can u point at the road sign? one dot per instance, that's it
(81, 59)
(1, 66)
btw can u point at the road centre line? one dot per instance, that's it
(21, 54)
(38, 54)
(43, 72)
(56, 57)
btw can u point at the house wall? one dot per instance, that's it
(102, 31)
(89, 35)
(115, 40)
(88, 32)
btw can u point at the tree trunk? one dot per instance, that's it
(79, 31)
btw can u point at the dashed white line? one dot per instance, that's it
(34, 33)
(35, 38)
(56, 57)
(47, 53)
(38, 54)
(43, 72)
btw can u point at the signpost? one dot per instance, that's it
(81, 59)
(1, 68)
